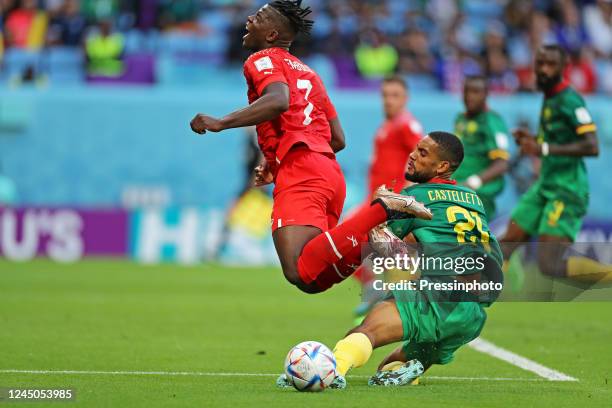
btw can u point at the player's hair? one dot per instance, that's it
(396, 79)
(481, 78)
(450, 148)
(296, 15)
(558, 49)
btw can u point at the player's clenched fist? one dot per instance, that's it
(530, 147)
(202, 123)
(521, 133)
(527, 143)
(263, 175)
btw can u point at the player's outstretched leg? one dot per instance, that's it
(383, 242)
(381, 326)
(552, 262)
(510, 242)
(306, 255)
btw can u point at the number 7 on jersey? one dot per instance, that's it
(307, 85)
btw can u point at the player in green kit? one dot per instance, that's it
(432, 323)
(485, 143)
(553, 208)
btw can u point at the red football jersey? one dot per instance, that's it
(310, 110)
(394, 142)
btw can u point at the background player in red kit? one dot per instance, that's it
(299, 133)
(395, 139)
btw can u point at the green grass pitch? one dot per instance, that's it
(110, 316)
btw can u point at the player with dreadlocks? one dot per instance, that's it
(299, 133)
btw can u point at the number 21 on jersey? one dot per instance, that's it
(471, 220)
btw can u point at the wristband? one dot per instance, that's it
(545, 149)
(474, 182)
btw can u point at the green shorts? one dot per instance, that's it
(433, 331)
(541, 212)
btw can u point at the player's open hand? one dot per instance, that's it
(263, 175)
(202, 123)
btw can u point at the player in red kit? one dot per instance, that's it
(395, 139)
(299, 133)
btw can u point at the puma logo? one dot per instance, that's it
(353, 240)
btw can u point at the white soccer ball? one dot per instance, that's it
(310, 366)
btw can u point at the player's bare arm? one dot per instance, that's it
(337, 141)
(497, 168)
(587, 147)
(272, 103)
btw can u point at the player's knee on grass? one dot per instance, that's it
(396, 355)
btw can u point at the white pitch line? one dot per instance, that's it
(491, 349)
(206, 374)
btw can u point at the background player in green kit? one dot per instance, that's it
(431, 329)
(485, 143)
(553, 208)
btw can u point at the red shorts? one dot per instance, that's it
(309, 190)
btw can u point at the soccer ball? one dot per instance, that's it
(310, 366)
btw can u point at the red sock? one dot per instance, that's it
(331, 246)
(364, 275)
(339, 271)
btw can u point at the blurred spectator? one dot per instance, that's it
(52, 7)
(436, 39)
(147, 14)
(581, 73)
(375, 57)
(96, 10)
(104, 51)
(570, 31)
(598, 21)
(453, 67)
(338, 43)
(444, 13)
(415, 55)
(496, 62)
(502, 78)
(523, 46)
(178, 13)
(26, 26)
(68, 26)
(517, 15)
(463, 35)
(495, 38)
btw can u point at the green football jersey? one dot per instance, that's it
(564, 119)
(459, 227)
(485, 139)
